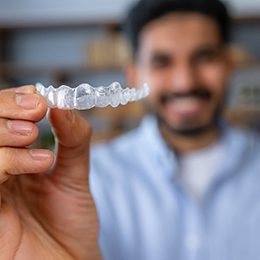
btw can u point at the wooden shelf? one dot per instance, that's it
(247, 19)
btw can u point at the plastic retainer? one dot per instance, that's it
(86, 97)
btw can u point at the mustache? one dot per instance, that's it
(198, 93)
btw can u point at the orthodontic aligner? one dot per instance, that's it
(86, 97)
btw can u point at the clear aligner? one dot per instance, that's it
(85, 96)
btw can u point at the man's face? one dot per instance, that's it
(182, 57)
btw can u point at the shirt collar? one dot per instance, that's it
(158, 149)
(235, 143)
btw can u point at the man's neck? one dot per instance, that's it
(186, 144)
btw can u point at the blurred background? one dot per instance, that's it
(70, 42)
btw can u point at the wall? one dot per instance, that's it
(56, 11)
(242, 8)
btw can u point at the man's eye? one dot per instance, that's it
(206, 56)
(160, 63)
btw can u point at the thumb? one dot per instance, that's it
(73, 135)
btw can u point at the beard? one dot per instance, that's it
(190, 127)
(187, 130)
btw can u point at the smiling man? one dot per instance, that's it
(184, 184)
(182, 56)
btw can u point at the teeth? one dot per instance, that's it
(85, 96)
(186, 104)
(190, 101)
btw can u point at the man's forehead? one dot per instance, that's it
(178, 29)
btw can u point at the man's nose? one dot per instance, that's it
(184, 78)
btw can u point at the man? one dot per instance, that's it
(184, 185)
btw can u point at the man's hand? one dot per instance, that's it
(46, 210)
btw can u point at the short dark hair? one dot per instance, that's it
(145, 11)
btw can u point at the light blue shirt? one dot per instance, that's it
(145, 214)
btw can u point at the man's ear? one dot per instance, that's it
(131, 75)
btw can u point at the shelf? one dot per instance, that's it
(247, 19)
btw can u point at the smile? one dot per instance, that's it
(186, 105)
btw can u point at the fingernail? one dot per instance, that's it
(27, 101)
(20, 127)
(40, 155)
